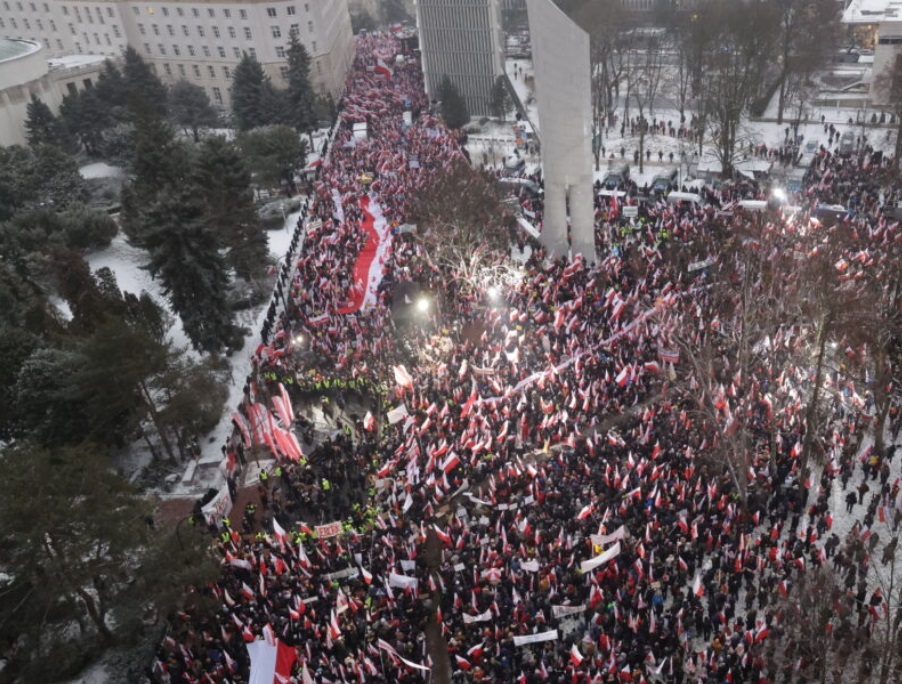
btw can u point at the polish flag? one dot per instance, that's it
(369, 422)
(697, 587)
(575, 656)
(383, 69)
(586, 512)
(463, 663)
(367, 576)
(476, 651)
(623, 376)
(280, 534)
(403, 377)
(334, 626)
(271, 661)
(451, 462)
(441, 534)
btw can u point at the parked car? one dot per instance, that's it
(617, 177)
(847, 144)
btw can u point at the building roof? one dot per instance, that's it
(872, 11)
(13, 49)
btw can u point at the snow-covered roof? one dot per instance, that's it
(73, 61)
(872, 11)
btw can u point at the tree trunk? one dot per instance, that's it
(811, 413)
(781, 102)
(97, 616)
(157, 422)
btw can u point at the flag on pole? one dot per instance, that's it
(271, 661)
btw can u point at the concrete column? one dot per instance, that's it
(554, 223)
(560, 52)
(582, 220)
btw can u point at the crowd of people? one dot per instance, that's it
(607, 472)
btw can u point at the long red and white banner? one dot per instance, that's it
(368, 269)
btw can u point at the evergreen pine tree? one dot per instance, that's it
(185, 256)
(112, 90)
(255, 102)
(224, 184)
(145, 90)
(158, 163)
(300, 96)
(86, 117)
(40, 124)
(191, 108)
(453, 106)
(501, 99)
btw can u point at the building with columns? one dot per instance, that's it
(195, 40)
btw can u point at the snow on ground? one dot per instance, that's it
(125, 262)
(211, 447)
(519, 71)
(101, 170)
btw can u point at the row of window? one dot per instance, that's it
(205, 50)
(201, 31)
(211, 71)
(51, 25)
(211, 12)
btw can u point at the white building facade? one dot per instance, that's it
(462, 39)
(25, 72)
(201, 42)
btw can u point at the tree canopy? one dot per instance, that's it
(255, 100)
(453, 106)
(191, 108)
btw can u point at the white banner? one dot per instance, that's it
(564, 611)
(699, 265)
(535, 638)
(332, 529)
(396, 415)
(482, 617)
(402, 581)
(602, 539)
(341, 574)
(530, 565)
(610, 554)
(218, 508)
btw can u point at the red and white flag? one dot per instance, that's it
(271, 661)
(383, 68)
(575, 656)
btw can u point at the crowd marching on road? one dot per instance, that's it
(539, 499)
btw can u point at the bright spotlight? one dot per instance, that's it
(493, 292)
(422, 305)
(298, 340)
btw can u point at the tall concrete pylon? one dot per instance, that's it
(560, 57)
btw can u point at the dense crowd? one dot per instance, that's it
(546, 499)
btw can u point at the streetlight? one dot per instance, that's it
(423, 305)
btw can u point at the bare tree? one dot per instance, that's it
(815, 631)
(808, 33)
(735, 65)
(463, 225)
(606, 23)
